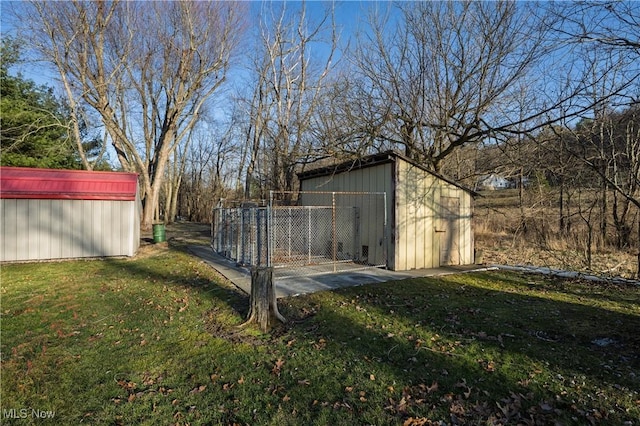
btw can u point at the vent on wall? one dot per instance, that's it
(365, 253)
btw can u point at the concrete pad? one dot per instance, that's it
(240, 277)
(301, 284)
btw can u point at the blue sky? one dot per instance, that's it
(349, 16)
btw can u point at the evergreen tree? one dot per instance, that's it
(33, 122)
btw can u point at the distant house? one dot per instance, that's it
(429, 216)
(61, 214)
(493, 182)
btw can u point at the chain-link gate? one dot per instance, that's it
(313, 233)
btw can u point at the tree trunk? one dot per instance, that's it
(263, 307)
(638, 269)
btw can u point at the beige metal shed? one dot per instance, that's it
(429, 216)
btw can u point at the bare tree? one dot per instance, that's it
(210, 170)
(439, 73)
(147, 68)
(608, 35)
(287, 92)
(611, 25)
(435, 76)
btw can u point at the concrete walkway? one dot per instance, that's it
(294, 286)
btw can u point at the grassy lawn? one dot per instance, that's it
(154, 341)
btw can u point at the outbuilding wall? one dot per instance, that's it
(429, 217)
(59, 229)
(371, 208)
(432, 219)
(57, 225)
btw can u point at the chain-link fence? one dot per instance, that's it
(304, 233)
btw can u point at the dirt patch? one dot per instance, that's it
(149, 249)
(189, 233)
(231, 333)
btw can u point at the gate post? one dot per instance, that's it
(334, 236)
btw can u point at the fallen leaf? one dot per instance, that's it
(277, 367)
(198, 389)
(422, 421)
(402, 405)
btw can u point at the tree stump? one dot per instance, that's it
(263, 308)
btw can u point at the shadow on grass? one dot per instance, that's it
(217, 288)
(479, 343)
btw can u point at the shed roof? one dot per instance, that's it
(371, 161)
(25, 182)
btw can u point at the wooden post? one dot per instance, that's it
(263, 307)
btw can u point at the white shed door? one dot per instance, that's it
(449, 231)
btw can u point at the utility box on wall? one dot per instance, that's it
(430, 216)
(50, 214)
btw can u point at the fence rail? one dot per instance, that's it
(332, 232)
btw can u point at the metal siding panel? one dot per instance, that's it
(420, 225)
(57, 228)
(435, 208)
(378, 213)
(44, 230)
(136, 226)
(113, 239)
(131, 236)
(85, 246)
(31, 229)
(119, 244)
(392, 203)
(10, 224)
(22, 232)
(107, 228)
(369, 216)
(122, 245)
(402, 217)
(81, 243)
(389, 172)
(97, 228)
(466, 227)
(70, 228)
(128, 231)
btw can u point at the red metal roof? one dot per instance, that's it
(24, 182)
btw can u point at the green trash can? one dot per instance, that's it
(159, 235)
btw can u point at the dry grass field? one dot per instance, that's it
(507, 233)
